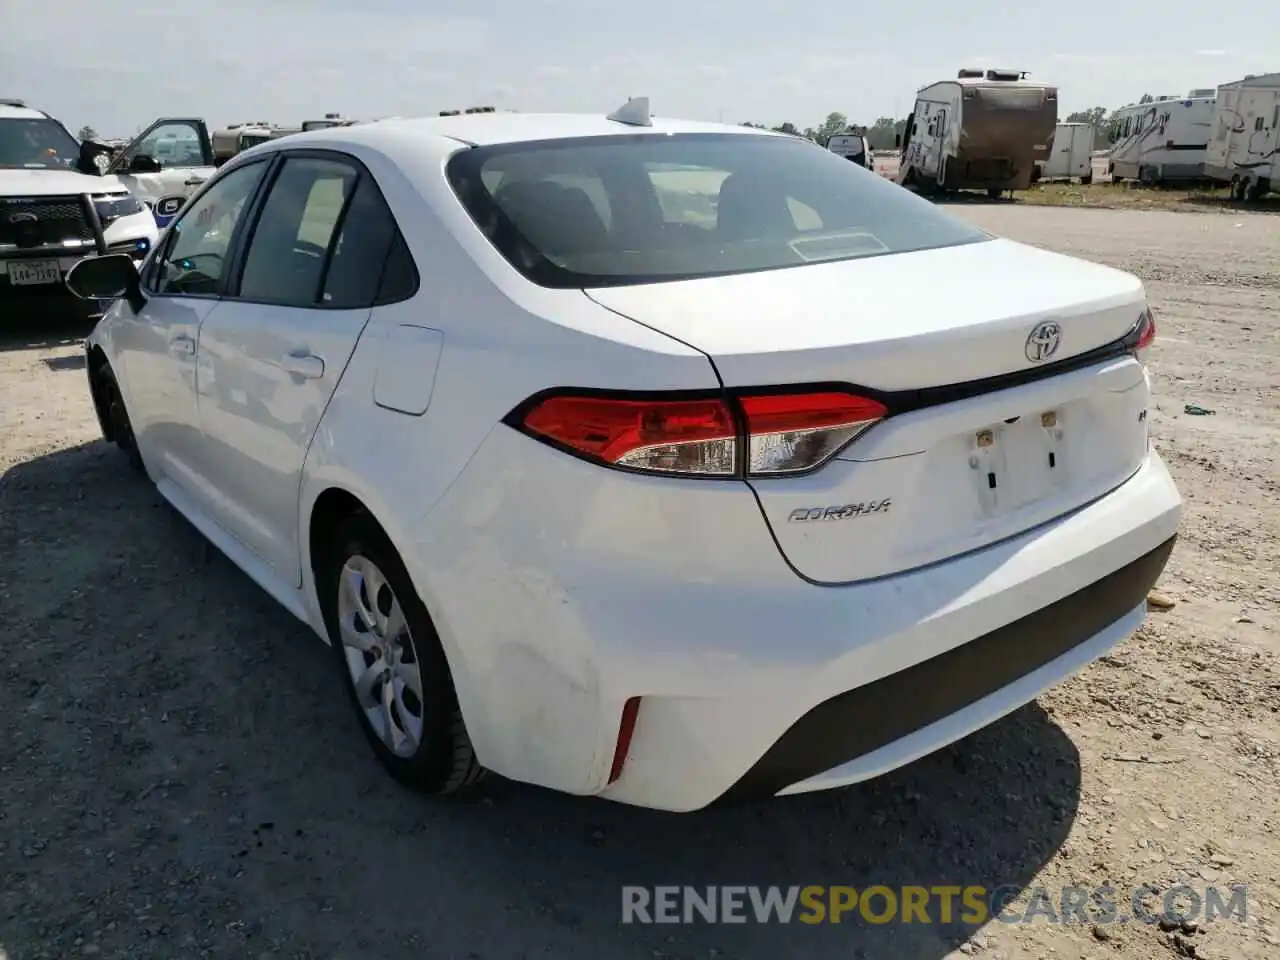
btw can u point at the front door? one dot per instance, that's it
(272, 354)
(157, 346)
(166, 164)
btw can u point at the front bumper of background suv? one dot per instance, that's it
(43, 237)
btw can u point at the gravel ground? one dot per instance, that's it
(180, 775)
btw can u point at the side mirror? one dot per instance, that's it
(108, 277)
(142, 163)
(93, 159)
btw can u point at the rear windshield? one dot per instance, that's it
(612, 211)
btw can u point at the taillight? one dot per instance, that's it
(770, 434)
(668, 436)
(1146, 332)
(1142, 334)
(791, 433)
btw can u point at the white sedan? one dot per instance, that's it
(654, 460)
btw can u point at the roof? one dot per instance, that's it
(483, 129)
(1260, 80)
(997, 84)
(19, 113)
(1167, 101)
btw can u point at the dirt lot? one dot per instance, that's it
(180, 776)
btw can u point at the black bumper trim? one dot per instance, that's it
(869, 717)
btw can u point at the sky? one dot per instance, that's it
(118, 64)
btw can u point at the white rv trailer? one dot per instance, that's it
(1071, 156)
(852, 145)
(1245, 149)
(983, 130)
(1162, 141)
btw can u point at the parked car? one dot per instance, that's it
(631, 456)
(52, 213)
(163, 165)
(854, 146)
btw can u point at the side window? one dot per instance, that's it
(362, 252)
(287, 252)
(399, 276)
(196, 244)
(173, 145)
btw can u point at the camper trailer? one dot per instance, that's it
(1071, 153)
(984, 130)
(1245, 147)
(236, 138)
(852, 145)
(1162, 141)
(330, 120)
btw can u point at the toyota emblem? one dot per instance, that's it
(1043, 341)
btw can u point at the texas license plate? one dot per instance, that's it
(28, 273)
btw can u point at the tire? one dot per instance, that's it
(1252, 192)
(117, 416)
(1237, 189)
(442, 760)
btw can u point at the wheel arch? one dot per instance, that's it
(97, 362)
(331, 508)
(320, 517)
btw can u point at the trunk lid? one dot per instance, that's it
(897, 322)
(939, 477)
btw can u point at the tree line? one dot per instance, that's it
(884, 133)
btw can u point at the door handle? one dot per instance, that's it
(193, 182)
(305, 365)
(183, 345)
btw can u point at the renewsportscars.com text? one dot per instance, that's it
(973, 905)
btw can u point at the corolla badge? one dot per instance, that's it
(1043, 341)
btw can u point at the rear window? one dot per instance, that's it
(620, 210)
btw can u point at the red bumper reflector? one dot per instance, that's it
(630, 711)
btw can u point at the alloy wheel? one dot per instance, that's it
(380, 655)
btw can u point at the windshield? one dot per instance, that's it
(36, 144)
(608, 211)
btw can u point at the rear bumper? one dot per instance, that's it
(884, 672)
(872, 728)
(561, 591)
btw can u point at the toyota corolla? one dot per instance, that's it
(654, 460)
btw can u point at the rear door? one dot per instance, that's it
(1082, 151)
(273, 352)
(181, 148)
